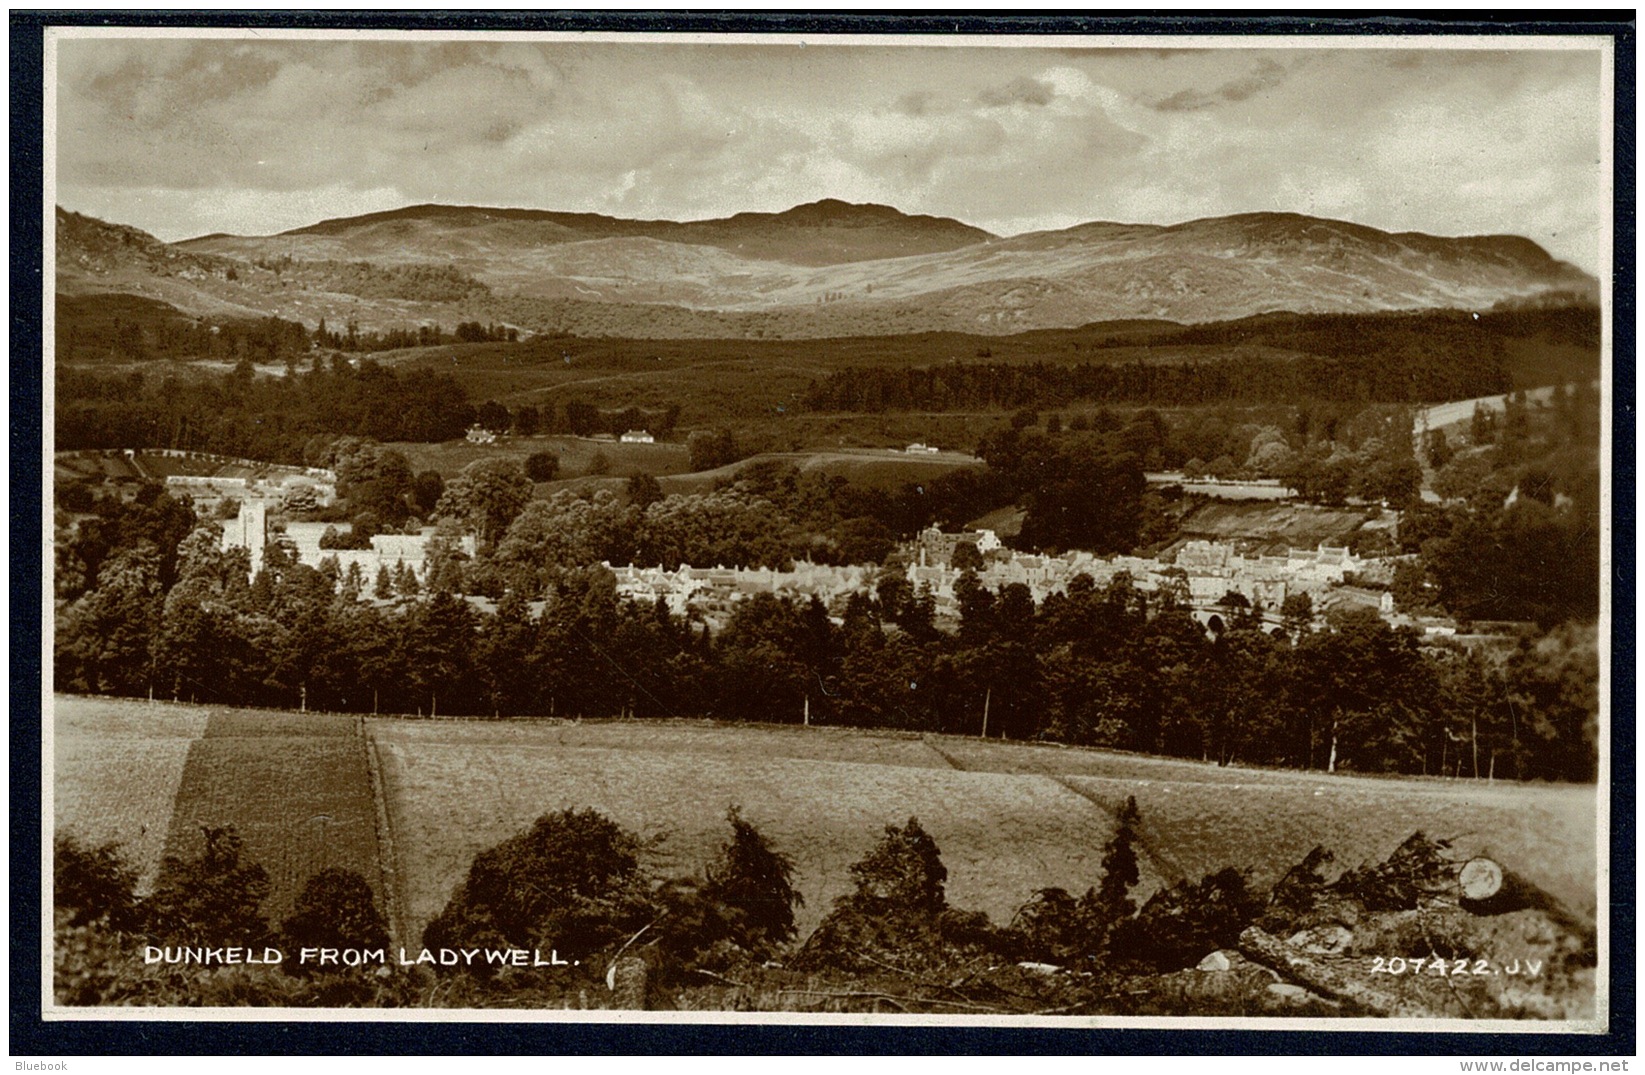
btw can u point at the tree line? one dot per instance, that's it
(416, 281)
(597, 896)
(1245, 378)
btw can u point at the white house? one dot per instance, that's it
(638, 436)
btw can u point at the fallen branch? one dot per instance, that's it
(721, 978)
(1325, 979)
(895, 999)
(919, 979)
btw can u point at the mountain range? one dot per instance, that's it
(829, 268)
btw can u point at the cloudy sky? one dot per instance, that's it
(253, 136)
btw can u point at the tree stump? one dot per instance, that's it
(630, 983)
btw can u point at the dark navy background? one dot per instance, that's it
(32, 1037)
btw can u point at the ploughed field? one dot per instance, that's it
(1009, 818)
(152, 777)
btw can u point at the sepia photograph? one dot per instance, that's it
(1043, 531)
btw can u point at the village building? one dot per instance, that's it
(638, 436)
(933, 546)
(711, 590)
(251, 530)
(1203, 573)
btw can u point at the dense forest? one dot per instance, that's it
(415, 282)
(148, 601)
(1378, 376)
(268, 418)
(1291, 358)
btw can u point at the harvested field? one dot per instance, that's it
(688, 737)
(1547, 834)
(1271, 527)
(1200, 818)
(295, 787)
(116, 767)
(998, 756)
(255, 723)
(1001, 836)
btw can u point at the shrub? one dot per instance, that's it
(572, 882)
(643, 491)
(542, 466)
(92, 883)
(903, 875)
(357, 537)
(212, 900)
(1055, 926)
(1182, 924)
(336, 909)
(1417, 869)
(1299, 890)
(898, 916)
(426, 490)
(1119, 866)
(756, 885)
(709, 450)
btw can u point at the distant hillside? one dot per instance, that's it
(96, 260)
(828, 269)
(828, 232)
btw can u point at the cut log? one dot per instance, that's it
(1325, 979)
(1481, 880)
(1487, 887)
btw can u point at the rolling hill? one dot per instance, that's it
(828, 269)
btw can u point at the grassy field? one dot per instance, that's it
(576, 454)
(1198, 818)
(866, 747)
(296, 788)
(1001, 836)
(1272, 527)
(873, 468)
(881, 468)
(116, 768)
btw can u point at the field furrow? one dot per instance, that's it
(294, 786)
